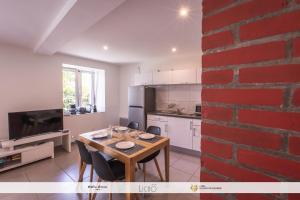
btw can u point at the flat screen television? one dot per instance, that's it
(25, 124)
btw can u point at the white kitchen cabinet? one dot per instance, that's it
(196, 122)
(199, 75)
(145, 78)
(159, 121)
(184, 76)
(167, 77)
(180, 132)
(183, 132)
(161, 77)
(196, 138)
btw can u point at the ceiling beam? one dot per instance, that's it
(59, 17)
(75, 17)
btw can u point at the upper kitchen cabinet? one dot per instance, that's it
(168, 77)
(144, 78)
(184, 76)
(162, 77)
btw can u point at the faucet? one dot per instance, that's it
(180, 110)
(171, 105)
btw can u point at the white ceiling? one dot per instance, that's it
(23, 22)
(134, 30)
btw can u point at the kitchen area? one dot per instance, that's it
(169, 99)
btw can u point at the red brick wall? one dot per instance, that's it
(251, 93)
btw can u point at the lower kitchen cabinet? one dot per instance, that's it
(183, 132)
(159, 121)
(180, 132)
(196, 137)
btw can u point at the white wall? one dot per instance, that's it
(127, 73)
(30, 81)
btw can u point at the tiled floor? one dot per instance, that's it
(65, 167)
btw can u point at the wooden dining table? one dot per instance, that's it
(146, 148)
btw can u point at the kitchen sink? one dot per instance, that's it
(167, 112)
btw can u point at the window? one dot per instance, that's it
(83, 87)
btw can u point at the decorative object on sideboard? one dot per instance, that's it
(7, 145)
(82, 110)
(73, 109)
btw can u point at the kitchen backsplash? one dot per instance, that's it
(184, 96)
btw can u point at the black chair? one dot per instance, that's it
(134, 125)
(112, 170)
(154, 130)
(86, 159)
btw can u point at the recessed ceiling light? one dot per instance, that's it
(105, 47)
(184, 11)
(174, 49)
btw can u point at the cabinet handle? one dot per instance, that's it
(166, 128)
(191, 125)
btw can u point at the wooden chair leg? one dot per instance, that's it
(110, 196)
(94, 194)
(158, 169)
(81, 172)
(144, 170)
(91, 173)
(90, 196)
(80, 169)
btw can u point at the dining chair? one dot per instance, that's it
(86, 159)
(107, 170)
(157, 131)
(134, 125)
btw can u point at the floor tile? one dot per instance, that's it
(192, 159)
(194, 179)
(18, 196)
(174, 156)
(62, 196)
(197, 172)
(174, 197)
(65, 167)
(178, 175)
(14, 175)
(185, 165)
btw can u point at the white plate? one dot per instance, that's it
(100, 135)
(121, 128)
(147, 136)
(125, 145)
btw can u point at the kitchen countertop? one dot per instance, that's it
(189, 116)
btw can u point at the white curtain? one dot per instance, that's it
(100, 90)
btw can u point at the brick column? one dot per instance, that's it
(251, 93)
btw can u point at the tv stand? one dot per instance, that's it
(28, 150)
(66, 139)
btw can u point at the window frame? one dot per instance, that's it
(78, 84)
(92, 73)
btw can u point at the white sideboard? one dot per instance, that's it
(31, 149)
